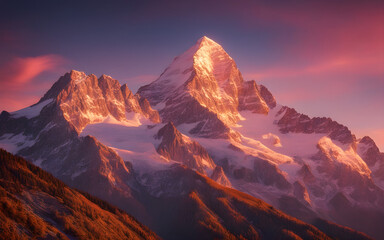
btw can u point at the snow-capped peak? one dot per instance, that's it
(204, 78)
(202, 55)
(211, 59)
(206, 41)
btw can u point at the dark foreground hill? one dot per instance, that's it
(34, 204)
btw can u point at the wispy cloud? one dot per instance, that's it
(20, 83)
(23, 70)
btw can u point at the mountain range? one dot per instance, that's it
(202, 153)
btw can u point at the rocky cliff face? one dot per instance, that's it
(85, 99)
(292, 121)
(250, 98)
(204, 85)
(181, 148)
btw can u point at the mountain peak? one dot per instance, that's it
(209, 50)
(204, 38)
(104, 76)
(206, 58)
(207, 78)
(77, 76)
(72, 76)
(211, 59)
(73, 71)
(206, 41)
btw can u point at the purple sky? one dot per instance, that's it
(324, 58)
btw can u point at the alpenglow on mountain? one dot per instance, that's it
(192, 153)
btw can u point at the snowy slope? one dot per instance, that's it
(32, 111)
(135, 144)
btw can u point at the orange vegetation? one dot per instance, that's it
(34, 204)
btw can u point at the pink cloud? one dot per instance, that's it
(12, 102)
(331, 65)
(333, 48)
(332, 78)
(337, 49)
(23, 70)
(326, 35)
(20, 85)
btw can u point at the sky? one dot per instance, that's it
(324, 58)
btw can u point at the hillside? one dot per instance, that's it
(34, 204)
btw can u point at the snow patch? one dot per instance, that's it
(132, 119)
(264, 129)
(78, 173)
(135, 144)
(14, 143)
(274, 139)
(32, 111)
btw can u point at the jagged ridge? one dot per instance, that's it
(85, 99)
